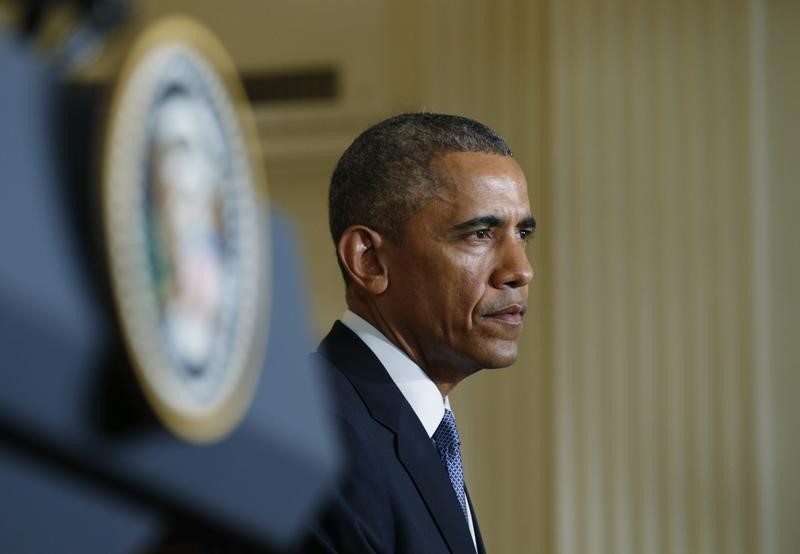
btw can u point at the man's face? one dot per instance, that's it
(458, 279)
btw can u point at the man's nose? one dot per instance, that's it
(513, 267)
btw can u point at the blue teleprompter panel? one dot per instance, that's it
(68, 402)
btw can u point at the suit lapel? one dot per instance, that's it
(478, 536)
(415, 449)
(418, 455)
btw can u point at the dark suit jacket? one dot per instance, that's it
(395, 495)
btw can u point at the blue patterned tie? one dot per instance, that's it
(449, 446)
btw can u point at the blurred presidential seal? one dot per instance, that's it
(182, 194)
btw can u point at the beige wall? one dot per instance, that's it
(652, 409)
(654, 311)
(777, 113)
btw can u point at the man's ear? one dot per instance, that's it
(360, 253)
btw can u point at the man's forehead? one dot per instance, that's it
(477, 178)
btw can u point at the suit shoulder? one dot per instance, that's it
(358, 516)
(343, 394)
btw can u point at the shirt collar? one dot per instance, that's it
(415, 385)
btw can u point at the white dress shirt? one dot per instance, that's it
(419, 391)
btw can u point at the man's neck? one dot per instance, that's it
(444, 380)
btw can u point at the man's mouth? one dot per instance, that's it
(512, 314)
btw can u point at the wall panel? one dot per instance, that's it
(653, 359)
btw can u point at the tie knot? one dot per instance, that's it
(446, 435)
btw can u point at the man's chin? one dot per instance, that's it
(483, 354)
(501, 356)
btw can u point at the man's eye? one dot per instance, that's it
(482, 234)
(525, 234)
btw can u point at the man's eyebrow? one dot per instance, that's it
(479, 222)
(483, 221)
(528, 223)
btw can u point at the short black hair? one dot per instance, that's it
(387, 173)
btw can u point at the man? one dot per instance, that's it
(430, 217)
